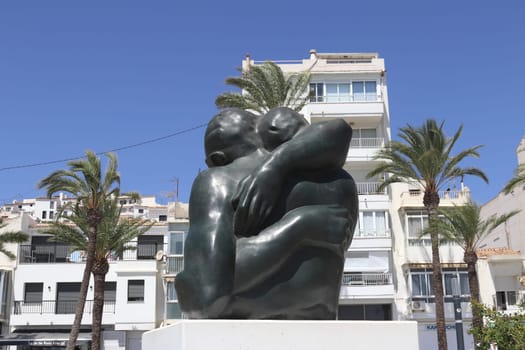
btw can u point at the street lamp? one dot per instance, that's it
(456, 297)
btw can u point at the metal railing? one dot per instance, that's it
(369, 188)
(372, 234)
(59, 253)
(21, 307)
(363, 142)
(452, 194)
(366, 279)
(344, 99)
(174, 264)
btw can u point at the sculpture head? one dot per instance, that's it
(230, 135)
(278, 126)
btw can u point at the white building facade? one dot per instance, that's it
(387, 274)
(40, 289)
(501, 263)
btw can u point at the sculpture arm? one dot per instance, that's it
(206, 283)
(260, 256)
(320, 146)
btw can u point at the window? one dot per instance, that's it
(163, 217)
(149, 245)
(176, 243)
(110, 291)
(52, 205)
(338, 92)
(316, 92)
(422, 286)
(416, 222)
(364, 90)
(68, 294)
(141, 211)
(505, 300)
(372, 224)
(360, 91)
(33, 292)
(135, 290)
(44, 214)
(51, 215)
(374, 312)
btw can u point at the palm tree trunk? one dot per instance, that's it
(431, 203)
(79, 311)
(98, 307)
(471, 258)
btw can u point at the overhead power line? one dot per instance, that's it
(31, 165)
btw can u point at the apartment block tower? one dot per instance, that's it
(387, 272)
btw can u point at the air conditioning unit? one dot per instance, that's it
(418, 305)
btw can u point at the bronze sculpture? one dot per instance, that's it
(270, 219)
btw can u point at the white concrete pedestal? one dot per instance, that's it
(283, 335)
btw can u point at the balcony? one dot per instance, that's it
(368, 279)
(61, 253)
(367, 285)
(370, 142)
(369, 188)
(174, 264)
(414, 198)
(58, 307)
(370, 110)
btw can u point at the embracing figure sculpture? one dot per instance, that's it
(270, 220)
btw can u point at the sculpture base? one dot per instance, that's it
(283, 335)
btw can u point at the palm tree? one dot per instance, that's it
(264, 87)
(113, 237)
(517, 181)
(10, 237)
(425, 155)
(464, 226)
(86, 181)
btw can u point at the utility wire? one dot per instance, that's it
(32, 165)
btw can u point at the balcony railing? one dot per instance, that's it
(57, 307)
(368, 279)
(34, 254)
(454, 194)
(369, 188)
(361, 142)
(174, 264)
(372, 234)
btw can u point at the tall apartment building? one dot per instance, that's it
(40, 289)
(387, 273)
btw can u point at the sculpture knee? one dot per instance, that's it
(197, 300)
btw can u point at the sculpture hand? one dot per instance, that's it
(254, 200)
(326, 225)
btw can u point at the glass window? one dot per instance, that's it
(381, 223)
(417, 221)
(358, 90)
(33, 292)
(135, 290)
(68, 294)
(171, 293)
(371, 93)
(176, 243)
(368, 223)
(110, 291)
(316, 92)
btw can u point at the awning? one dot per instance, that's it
(43, 339)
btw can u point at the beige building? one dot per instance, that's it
(501, 266)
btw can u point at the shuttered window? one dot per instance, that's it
(33, 292)
(135, 290)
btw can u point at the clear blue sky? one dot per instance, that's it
(100, 75)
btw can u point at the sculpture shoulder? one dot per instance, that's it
(212, 181)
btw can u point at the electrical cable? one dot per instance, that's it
(32, 165)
